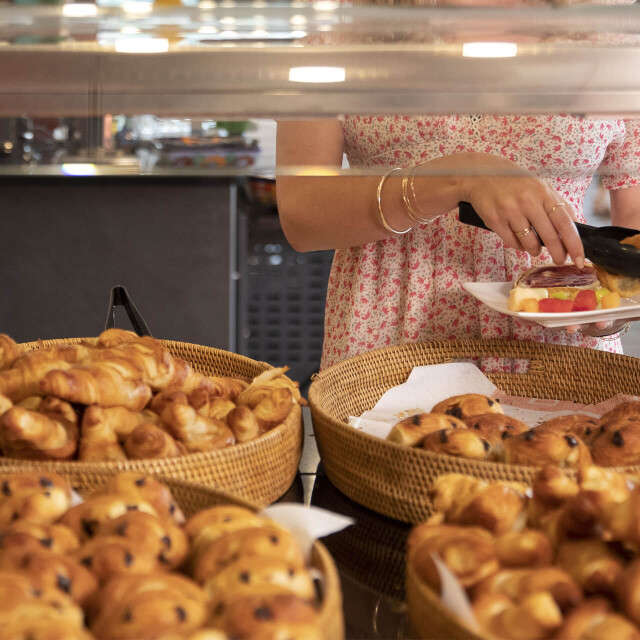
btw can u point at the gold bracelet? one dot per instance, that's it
(411, 177)
(411, 212)
(385, 224)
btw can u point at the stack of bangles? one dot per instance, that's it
(409, 198)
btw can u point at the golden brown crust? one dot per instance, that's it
(144, 487)
(9, 351)
(243, 617)
(467, 406)
(594, 620)
(626, 286)
(243, 423)
(48, 433)
(195, 431)
(160, 536)
(148, 441)
(623, 411)
(628, 589)
(591, 563)
(518, 584)
(525, 548)
(539, 448)
(412, 430)
(581, 425)
(469, 552)
(496, 426)
(48, 570)
(268, 540)
(248, 574)
(42, 506)
(145, 607)
(462, 443)
(108, 557)
(23, 536)
(618, 445)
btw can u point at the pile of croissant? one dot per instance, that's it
(127, 397)
(475, 426)
(124, 565)
(559, 560)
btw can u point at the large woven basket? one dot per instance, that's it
(395, 480)
(193, 498)
(260, 470)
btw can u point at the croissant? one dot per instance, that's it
(244, 424)
(518, 584)
(51, 433)
(9, 351)
(24, 377)
(167, 396)
(184, 377)
(498, 507)
(591, 563)
(218, 387)
(536, 616)
(595, 620)
(526, 548)
(469, 552)
(273, 408)
(195, 431)
(108, 384)
(155, 362)
(210, 406)
(626, 587)
(271, 378)
(150, 441)
(115, 337)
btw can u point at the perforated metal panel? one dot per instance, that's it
(281, 297)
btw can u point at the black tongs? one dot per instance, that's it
(601, 244)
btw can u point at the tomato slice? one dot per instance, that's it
(555, 305)
(586, 300)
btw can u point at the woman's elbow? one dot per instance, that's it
(296, 232)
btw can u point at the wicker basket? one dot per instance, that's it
(260, 470)
(394, 480)
(193, 498)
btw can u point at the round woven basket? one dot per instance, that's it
(429, 618)
(193, 498)
(260, 470)
(395, 480)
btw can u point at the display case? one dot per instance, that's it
(137, 147)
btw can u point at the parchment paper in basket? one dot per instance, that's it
(428, 385)
(307, 524)
(453, 596)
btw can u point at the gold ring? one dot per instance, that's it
(521, 234)
(555, 206)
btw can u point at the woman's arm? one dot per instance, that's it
(330, 212)
(625, 207)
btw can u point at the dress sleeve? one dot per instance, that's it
(620, 167)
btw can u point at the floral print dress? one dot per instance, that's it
(408, 288)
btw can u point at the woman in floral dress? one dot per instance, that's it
(519, 172)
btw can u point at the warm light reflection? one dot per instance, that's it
(207, 29)
(325, 5)
(489, 49)
(137, 7)
(298, 34)
(79, 10)
(79, 169)
(317, 74)
(142, 45)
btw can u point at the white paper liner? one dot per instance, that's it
(428, 385)
(453, 595)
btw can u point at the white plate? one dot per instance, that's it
(495, 295)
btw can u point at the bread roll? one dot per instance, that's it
(412, 431)
(467, 406)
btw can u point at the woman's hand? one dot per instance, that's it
(522, 209)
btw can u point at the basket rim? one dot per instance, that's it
(545, 350)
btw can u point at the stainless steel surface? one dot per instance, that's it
(579, 59)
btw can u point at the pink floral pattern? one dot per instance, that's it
(408, 288)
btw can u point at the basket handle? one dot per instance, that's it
(120, 298)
